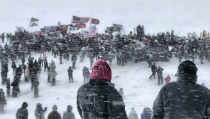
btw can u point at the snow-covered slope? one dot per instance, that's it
(139, 90)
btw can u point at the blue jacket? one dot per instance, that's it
(145, 115)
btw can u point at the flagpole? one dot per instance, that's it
(29, 25)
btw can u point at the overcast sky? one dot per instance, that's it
(156, 15)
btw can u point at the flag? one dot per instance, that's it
(47, 30)
(80, 20)
(19, 28)
(71, 28)
(51, 28)
(34, 19)
(95, 21)
(81, 26)
(33, 22)
(93, 28)
(117, 27)
(204, 34)
(89, 34)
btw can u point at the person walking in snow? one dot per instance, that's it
(154, 70)
(183, 99)
(103, 106)
(160, 75)
(133, 114)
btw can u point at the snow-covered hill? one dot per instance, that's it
(139, 90)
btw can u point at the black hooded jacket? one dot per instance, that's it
(183, 99)
(99, 99)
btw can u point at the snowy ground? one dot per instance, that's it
(139, 91)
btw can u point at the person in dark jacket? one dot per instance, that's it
(3, 101)
(22, 113)
(54, 114)
(39, 111)
(183, 99)
(160, 75)
(147, 112)
(70, 73)
(15, 89)
(154, 69)
(99, 99)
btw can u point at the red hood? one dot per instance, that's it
(101, 70)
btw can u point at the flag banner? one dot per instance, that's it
(51, 28)
(44, 33)
(71, 28)
(19, 28)
(32, 24)
(204, 34)
(63, 27)
(117, 27)
(93, 28)
(39, 33)
(95, 21)
(109, 30)
(34, 19)
(80, 20)
(89, 34)
(47, 30)
(81, 26)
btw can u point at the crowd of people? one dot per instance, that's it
(104, 101)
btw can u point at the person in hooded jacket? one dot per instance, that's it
(147, 112)
(54, 114)
(39, 111)
(68, 114)
(22, 113)
(183, 99)
(133, 114)
(99, 99)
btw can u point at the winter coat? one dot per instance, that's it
(74, 58)
(39, 113)
(160, 71)
(68, 115)
(18, 71)
(54, 115)
(70, 71)
(146, 116)
(167, 79)
(22, 113)
(86, 72)
(154, 68)
(99, 99)
(183, 99)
